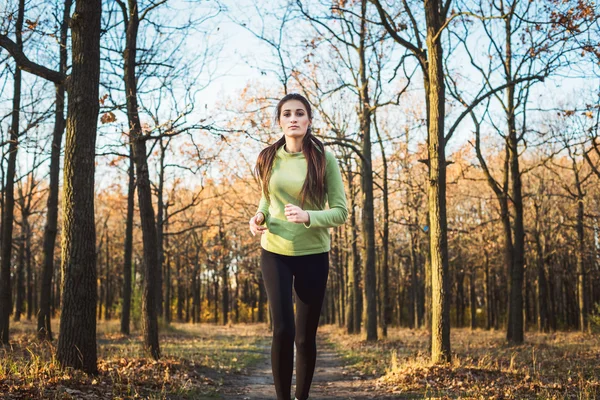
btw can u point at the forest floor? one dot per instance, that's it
(206, 361)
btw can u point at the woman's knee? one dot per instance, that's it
(304, 344)
(284, 332)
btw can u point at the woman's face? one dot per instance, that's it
(294, 119)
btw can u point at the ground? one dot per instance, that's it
(207, 361)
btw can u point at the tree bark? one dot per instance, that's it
(224, 274)
(368, 219)
(44, 328)
(127, 259)
(160, 222)
(385, 274)
(77, 340)
(8, 203)
(440, 349)
(149, 296)
(20, 287)
(107, 302)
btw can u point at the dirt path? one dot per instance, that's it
(332, 380)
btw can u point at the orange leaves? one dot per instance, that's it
(108, 117)
(573, 17)
(31, 25)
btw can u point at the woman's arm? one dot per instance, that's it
(337, 213)
(263, 205)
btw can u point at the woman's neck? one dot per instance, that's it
(292, 145)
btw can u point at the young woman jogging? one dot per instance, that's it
(298, 177)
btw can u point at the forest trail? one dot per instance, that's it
(332, 380)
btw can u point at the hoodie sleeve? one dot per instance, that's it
(337, 214)
(263, 205)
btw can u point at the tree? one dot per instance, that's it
(44, 327)
(77, 340)
(9, 199)
(430, 56)
(528, 43)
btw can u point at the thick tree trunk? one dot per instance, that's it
(43, 323)
(8, 203)
(440, 349)
(127, 258)
(515, 314)
(515, 323)
(77, 339)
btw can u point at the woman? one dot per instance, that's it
(297, 177)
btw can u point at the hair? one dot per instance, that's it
(314, 188)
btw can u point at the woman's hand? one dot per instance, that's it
(296, 214)
(255, 224)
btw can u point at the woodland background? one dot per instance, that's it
(467, 133)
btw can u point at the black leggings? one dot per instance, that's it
(310, 273)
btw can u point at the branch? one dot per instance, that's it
(476, 102)
(150, 8)
(27, 65)
(351, 147)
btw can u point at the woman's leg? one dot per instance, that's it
(277, 276)
(311, 279)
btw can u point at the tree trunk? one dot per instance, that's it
(385, 274)
(581, 278)
(127, 258)
(43, 323)
(515, 315)
(149, 297)
(8, 203)
(487, 292)
(180, 297)
(224, 275)
(354, 307)
(472, 299)
(160, 221)
(440, 349)
(77, 340)
(368, 218)
(20, 287)
(168, 289)
(107, 303)
(30, 282)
